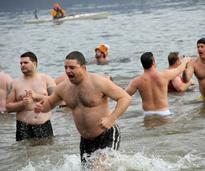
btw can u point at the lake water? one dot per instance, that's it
(131, 29)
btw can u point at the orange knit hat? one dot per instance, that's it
(103, 48)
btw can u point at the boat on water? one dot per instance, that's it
(87, 16)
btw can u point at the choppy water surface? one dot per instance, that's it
(130, 30)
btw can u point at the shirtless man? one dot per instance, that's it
(63, 77)
(30, 88)
(5, 88)
(152, 86)
(197, 66)
(177, 84)
(86, 94)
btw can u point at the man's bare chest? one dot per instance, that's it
(86, 97)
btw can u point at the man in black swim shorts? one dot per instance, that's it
(110, 138)
(27, 131)
(27, 90)
(87, 95)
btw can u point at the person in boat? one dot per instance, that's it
(101, 54)
(177, 84)
(152, 86)
(57, 12)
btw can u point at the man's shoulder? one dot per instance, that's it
(45, 76)
(100, 80)
(5, 76)
(62, 86)
(18, 82)
(167, 72)
(137, 79)
(61, 78)
(197, 61)
(95, 76)
(19, 79)
(194, 62)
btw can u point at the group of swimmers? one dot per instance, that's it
(33, 95)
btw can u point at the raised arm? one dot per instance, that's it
(189, 71)
(170, 74)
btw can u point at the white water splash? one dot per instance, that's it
(138, 162)
(29, 167)
(121, 162)
(188, 161)
(71, 162)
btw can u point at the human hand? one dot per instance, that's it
(186, 59)
(28, 101)
(106, 123)
(38, 108)
(31, 94)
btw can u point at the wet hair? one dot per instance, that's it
(173, 57)
(31, 55)
(202, 40)
(147, 60)
(77, 56)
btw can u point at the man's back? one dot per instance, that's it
(152, 87)
(152, 84)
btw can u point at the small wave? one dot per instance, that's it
(120, 162)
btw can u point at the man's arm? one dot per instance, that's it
(9, 87)
(50, 84)
(12, 105)
(170, 74)
(132, 86)
(179, 85)
(189, 71)
(49, 102)
(119, 95)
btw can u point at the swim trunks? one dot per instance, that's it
(109, 138)
(62, 106)
(27, 131)
(159, 112)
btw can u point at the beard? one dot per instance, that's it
(26, 72)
